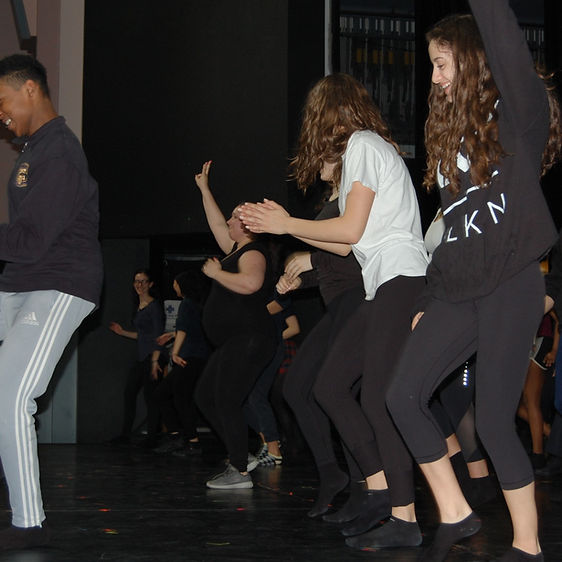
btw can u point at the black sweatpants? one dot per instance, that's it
(229, 376)
(500, 326)
(369, 345)
(304, 370)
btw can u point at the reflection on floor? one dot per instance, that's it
(128, 504)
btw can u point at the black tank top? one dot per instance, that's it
(227, 314)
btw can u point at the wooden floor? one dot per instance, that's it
(125, 503)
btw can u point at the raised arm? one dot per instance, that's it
(510, 61)
(215, 218)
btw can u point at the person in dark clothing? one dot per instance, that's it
(486, 138)
(341, 287)
(51, 280)
(175, 393)
(258, 408)
(147, 371)
(553, 300)
(379, 221)
(238, 325)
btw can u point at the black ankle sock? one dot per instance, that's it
(447, 535)
(516, 555)
(351, 508)
(332, 481)
(460, 468)
(375, 506)
(482, 490)
(394, 533)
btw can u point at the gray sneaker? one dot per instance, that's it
(230, 479)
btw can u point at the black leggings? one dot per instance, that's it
(452, 407)
(229, 376)
(369, 345)
(500, 326)
(304, 370)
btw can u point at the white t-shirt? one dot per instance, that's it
(392, 243)
(434, 234)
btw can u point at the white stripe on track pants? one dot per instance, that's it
(37, 326)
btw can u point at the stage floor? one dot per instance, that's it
(128, 504)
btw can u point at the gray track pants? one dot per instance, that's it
(37, 327)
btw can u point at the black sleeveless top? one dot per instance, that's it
(227, 314)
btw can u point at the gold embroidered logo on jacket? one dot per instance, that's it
(21, 176)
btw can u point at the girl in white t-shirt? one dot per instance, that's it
(344, 139)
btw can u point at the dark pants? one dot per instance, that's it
(258, 409)
(139, 377)
(304, 370)
(500, 326)
(230, 374)
(175, 397)
(369, 346)
(452, 407)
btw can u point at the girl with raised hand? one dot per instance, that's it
(237, 323)
(487, 138)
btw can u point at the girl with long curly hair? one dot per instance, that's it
(488, 135)
(344, 139)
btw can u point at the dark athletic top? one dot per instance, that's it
(494, 232)
(149, 323)
(227, 314)
(332, 273)
(189, 321)
(51, 241)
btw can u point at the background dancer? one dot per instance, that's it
(237, 323)
(146, 373)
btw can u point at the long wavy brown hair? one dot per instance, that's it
(471, 118)
(553, 149)
(336, 107)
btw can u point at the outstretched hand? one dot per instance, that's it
(298, 263)
(287, 284)
(165, 338)
(202, 178)
(116, 328)
(178, 360)
(268, 216)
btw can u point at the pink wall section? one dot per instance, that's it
(8, 45)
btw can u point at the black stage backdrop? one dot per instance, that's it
(171, 84)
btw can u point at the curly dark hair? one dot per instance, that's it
(471, 118)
